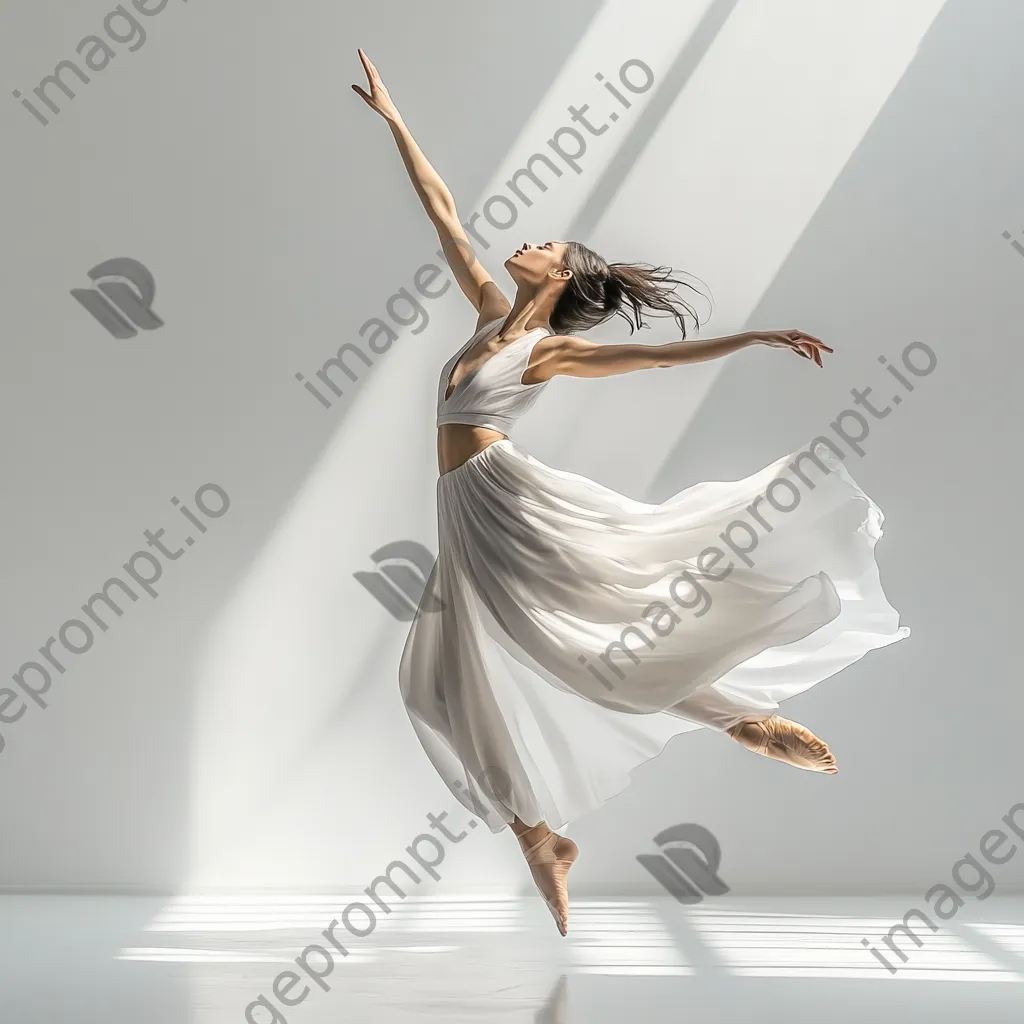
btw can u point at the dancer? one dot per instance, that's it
(567, 632)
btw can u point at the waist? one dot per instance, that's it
(457, 443)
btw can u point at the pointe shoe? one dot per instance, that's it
(786, 741)
(549, 860)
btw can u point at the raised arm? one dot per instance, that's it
(477, 285)
(578, 357)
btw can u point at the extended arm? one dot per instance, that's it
(438, 202)
(577, 357)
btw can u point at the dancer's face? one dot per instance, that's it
(535, 264)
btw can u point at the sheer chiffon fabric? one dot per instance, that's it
(568, 632)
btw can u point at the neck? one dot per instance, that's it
(531, 309)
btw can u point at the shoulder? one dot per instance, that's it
(563, 346)
(554, 354)
(493, 305)
(567, 343)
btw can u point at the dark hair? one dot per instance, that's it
(599, 290)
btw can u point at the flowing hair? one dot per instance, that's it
(599, 290)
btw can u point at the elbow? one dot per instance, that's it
(442, 214)
(441, 202)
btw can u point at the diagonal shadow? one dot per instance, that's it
(672, 83)
(642, 130)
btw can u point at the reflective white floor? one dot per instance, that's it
(125, 961)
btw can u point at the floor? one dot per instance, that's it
(207, 961)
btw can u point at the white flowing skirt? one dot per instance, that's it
(567, 632)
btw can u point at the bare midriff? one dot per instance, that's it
(459, 442)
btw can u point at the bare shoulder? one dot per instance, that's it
(571, 356)
(565, 344)
(493, 304)
(553, 354)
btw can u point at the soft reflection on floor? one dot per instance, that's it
(203, 961)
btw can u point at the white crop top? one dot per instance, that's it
(493, 395)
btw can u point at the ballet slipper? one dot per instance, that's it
(786, 741)
(549, 860)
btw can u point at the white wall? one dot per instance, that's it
(843, 167)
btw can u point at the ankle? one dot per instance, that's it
(532, 834)
(745, 726)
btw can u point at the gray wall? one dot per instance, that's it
(839, 167)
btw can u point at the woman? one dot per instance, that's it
(568, 632)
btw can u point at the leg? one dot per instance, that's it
(549, 857)
(759, 730)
